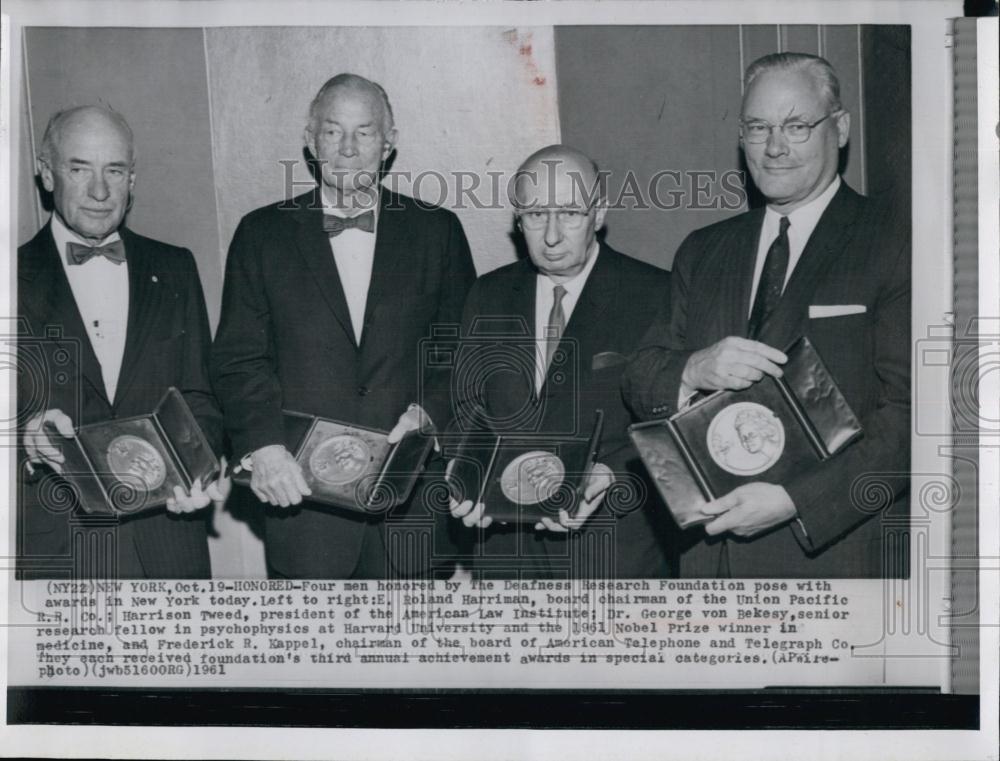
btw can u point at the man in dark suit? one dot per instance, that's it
(110, 319)
(582, 307)
(819, 261)
(327, 299)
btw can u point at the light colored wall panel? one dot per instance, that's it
(468, 99)
(156, 79)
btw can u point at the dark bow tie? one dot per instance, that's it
(336, 225)
(78, 253)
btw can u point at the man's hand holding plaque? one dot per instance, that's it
(598, 483)
(277, 478)
(198, 497)
(413, 419)
(749, 510)
(733, 363)
(39, 446)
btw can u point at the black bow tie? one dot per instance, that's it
(336, 225)
(78, 253)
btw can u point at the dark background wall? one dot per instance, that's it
(649, 99)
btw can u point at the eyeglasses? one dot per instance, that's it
(568, 219)
(795, 131)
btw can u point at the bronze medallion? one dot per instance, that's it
(133, 460)
(340, 460)
(532, 477)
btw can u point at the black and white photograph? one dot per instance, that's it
(484, 367)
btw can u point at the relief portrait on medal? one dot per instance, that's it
(746, 439)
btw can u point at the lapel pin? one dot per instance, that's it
(156, 279)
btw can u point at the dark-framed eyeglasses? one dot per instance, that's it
(795, 131)
(567, 218)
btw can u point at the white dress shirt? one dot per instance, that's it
(543, 307)
(100, 288)
(801, 224)
(354, 254)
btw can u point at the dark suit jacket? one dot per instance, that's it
(615, 307)
(858, 254)
(285, 341)
(167, 344)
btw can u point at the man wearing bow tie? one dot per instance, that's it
(821, 261)
(110, 320)
(327, 299)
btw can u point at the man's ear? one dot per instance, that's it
(309, 140)
(601, 211)
(45, 171)
(843, 128)
(389, 143)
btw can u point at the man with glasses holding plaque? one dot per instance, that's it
(580, 308)
(821, 261)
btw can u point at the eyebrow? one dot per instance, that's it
(84, 162)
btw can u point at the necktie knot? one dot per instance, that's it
(334, 226)
(783, 225)
(557, 294)
(78, 253)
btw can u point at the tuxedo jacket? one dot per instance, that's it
(615, 307)
(857, 265)
(167, 344)
(285, 341)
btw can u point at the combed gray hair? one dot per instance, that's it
(355, 82)
(59, 120)
(819, 68)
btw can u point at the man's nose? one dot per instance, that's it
(553, 233)
(98, 187)
(777, 143)
(348, 145)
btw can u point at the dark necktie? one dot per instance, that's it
(557, 324)
(334, 226)
(78, 253)
(772, 281)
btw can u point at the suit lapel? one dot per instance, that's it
(822, 250)
(313, 245)
(587, 322)
(391, 246)
(734, 293)
(145, 293)
(45, 292)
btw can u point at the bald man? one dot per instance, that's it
(328, 298)
(573, 297)
(111, 319)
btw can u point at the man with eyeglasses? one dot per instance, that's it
(819, 260)
(580, 307)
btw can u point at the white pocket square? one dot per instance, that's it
(818, 311)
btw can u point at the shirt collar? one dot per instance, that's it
(805, 218)
(336, 211)
(574, 286)
(63, 235)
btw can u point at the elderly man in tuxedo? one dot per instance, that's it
(113, 319)
(818, 260)
(577, 298)
(327, 299)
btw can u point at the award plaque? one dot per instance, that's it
(351, 466)
(130, 465)
(766, 432)
(520, 479)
